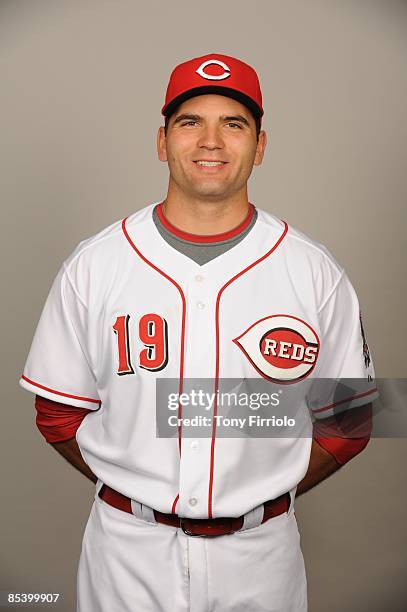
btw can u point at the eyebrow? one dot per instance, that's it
(190, 117)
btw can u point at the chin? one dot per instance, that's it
(210, 190)
(210, 194)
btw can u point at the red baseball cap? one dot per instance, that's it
(214, 74)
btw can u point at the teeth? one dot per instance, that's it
(209, 163)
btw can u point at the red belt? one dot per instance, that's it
(197, 527)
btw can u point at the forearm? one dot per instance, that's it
(69, 449)
(321, 465)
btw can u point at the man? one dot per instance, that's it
(203, 285)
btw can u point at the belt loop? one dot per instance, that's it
(253, 518)
(98, 486)
(145, 513)
(148, 514)
(292, 493)
(136, 508)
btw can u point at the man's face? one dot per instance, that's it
(208, 129)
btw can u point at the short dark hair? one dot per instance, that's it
(255, 117)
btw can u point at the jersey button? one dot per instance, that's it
(193, 501)
(199, 278)
(194, 444)
(200, 305)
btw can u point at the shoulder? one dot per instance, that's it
(101, 255)
(304, 256)
(108, 242)
(299, 242)
(110, 237)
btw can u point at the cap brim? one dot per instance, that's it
(213, 89)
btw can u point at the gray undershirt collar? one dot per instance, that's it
(201, 253)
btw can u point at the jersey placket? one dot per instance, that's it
(199, 363)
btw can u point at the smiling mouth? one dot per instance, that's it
(209, 164)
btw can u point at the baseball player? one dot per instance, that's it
(202, 285)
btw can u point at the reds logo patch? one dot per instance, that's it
(282, 348)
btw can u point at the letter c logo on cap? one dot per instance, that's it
(213, 77)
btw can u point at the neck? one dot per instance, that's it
(205, 216)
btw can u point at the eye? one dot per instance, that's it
(234, 125)
(188, 122)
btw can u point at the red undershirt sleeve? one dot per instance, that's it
(345, 435)
(58, 422)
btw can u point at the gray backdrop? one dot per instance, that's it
(81, 87)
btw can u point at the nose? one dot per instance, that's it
(210, 138)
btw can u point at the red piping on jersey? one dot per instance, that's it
(351, 398)
(79, 397)
(181, 365)
(174, 504)
(215, 407)
(205, 239)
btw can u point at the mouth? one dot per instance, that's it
(207, 165)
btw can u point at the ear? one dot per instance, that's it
(161, 145)
(261, 147)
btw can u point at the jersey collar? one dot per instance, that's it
(199, 239)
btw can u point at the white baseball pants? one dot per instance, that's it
(130, 565)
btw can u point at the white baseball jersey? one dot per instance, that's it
(126, 308)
